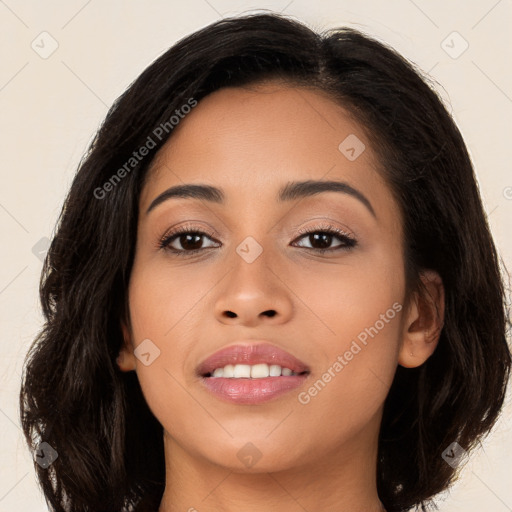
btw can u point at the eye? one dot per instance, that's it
(186, 240)
(190, 240)
(323, 236)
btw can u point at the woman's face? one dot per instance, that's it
(257, 278)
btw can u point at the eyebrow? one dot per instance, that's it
(289, 192)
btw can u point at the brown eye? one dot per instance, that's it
(321, 238)
(185, 240)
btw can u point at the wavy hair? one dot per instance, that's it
(73, 395)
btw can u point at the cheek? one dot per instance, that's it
(166, 301)
(352, 385)
(358, 336)
(343, 299)
(167, 307)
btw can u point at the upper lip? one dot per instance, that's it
(251, 353)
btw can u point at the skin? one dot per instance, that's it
(317, 456)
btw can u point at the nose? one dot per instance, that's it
(254, 293)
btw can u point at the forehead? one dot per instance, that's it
(252, 140)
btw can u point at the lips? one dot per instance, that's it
(251, 354)
(252, 388)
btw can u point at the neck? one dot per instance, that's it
(341, 480)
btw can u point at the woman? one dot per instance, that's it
(272, 287)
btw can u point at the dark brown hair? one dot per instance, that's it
(73, 395)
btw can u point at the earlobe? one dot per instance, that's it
(424, 322)
(126, 358)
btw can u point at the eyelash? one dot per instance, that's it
(348, 241)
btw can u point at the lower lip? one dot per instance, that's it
(252, 391)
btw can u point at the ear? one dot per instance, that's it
(126, 357)
(423, 322)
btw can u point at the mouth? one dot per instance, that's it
(255, 371)
(251, 374)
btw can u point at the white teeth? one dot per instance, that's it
(259, 371)
(255, 371)
(275, 370)
(228, 371)
(242, 370)
(219, 372)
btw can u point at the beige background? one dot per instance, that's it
(52, 106)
